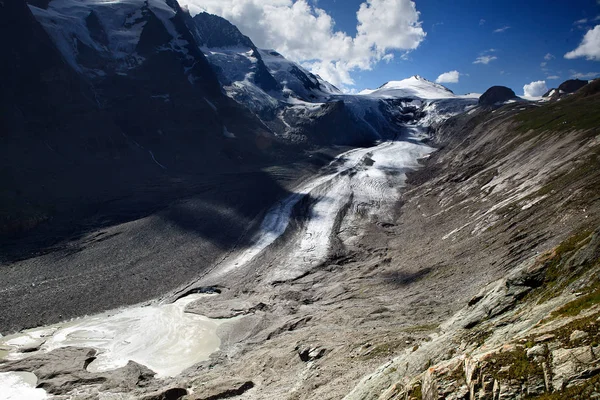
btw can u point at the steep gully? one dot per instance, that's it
(322, 212)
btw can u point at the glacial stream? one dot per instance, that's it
(167, 339)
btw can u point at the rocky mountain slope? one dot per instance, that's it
(109, 146)
(515, 201)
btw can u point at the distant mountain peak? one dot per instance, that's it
(416, 87)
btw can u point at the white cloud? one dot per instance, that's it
(305, 33)
(584, 75)
(448, 77)
(535, 89)
(548, 57)
(481, 22)
(552, 77)
(589, 47)
(503, 29)
(484, 59)
(581, 21)
(543, 64)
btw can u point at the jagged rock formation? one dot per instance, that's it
(217, 33)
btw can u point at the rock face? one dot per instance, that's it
(496, 95)
(218, 33)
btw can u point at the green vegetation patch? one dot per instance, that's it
(519, 366)
(421, 328)
(557, 275)
(384, 349)
(582, 303)
(571, 113)
(416, 392)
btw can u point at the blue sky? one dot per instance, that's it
(358, 44)
(460, 31)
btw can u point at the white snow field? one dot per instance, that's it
(413, 87)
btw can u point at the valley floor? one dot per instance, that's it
(298, 236)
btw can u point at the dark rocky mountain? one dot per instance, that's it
(565, 88)
(236, 58)
(42, 99)
(572, 85)
(85, 121)
(212, 31)
(496, 95)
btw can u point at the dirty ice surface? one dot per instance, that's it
(20, 386)
(162, 337)
(365, 178)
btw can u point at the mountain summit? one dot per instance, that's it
(413, 87)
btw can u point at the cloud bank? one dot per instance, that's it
(535, 89)
(448, 77)
(306, 34)
(589, 47)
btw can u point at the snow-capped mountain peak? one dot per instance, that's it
(413, 87)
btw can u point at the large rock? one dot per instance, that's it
(64, 370)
